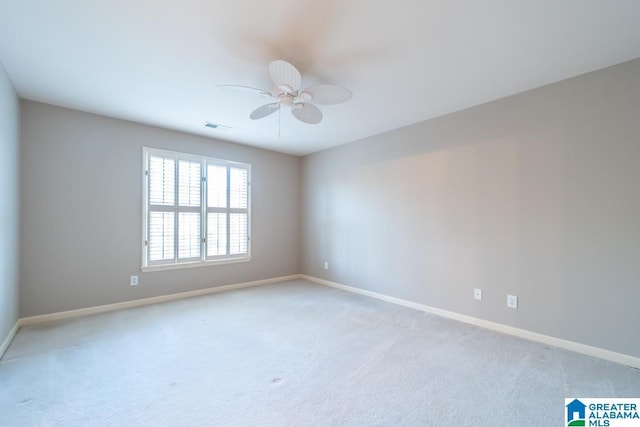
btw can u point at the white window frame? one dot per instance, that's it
(203, 260)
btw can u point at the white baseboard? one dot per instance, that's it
(147, 301)
(12, 333)
(612, 356)
(623, 359)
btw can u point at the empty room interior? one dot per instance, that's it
(297, 213)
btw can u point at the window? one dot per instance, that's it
(196, 210)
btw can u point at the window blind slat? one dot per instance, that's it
(216, 234)
(188, 235)
(161, 236)
(162, 181)
(216, 186)
(189, 183)
(238, 238)
(238, 180)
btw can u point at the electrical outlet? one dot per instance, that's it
(477, 294)
(133, 281)
(512, 301)
(326, 265)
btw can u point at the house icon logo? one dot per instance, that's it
(576, 413)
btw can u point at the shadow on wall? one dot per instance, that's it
(522, 116)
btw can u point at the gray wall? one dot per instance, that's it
(9, 204)
(535, 195)
(82, 205)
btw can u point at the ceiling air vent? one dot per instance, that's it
(216, 126)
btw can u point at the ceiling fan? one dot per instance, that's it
(287, 94)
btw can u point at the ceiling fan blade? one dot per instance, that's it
(264, 111)
(307, 113)
(246, 89)
(285, 76)
(326, 94)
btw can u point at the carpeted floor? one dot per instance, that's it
(290, 354)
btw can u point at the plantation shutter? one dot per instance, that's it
(189, 195)
(161, 208)
(216, 210)
(227, 211)
(196, 209)
(238, 203)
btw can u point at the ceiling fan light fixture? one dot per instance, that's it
(306, 96)
(286, 100)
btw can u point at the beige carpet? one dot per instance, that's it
(290, 354)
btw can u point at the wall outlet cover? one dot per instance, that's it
(512, 301)
(477, 294)
(133, 281)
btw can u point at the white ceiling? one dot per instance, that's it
(159, 61)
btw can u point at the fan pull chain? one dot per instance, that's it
(279, 121)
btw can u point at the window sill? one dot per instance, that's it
(195, 264)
